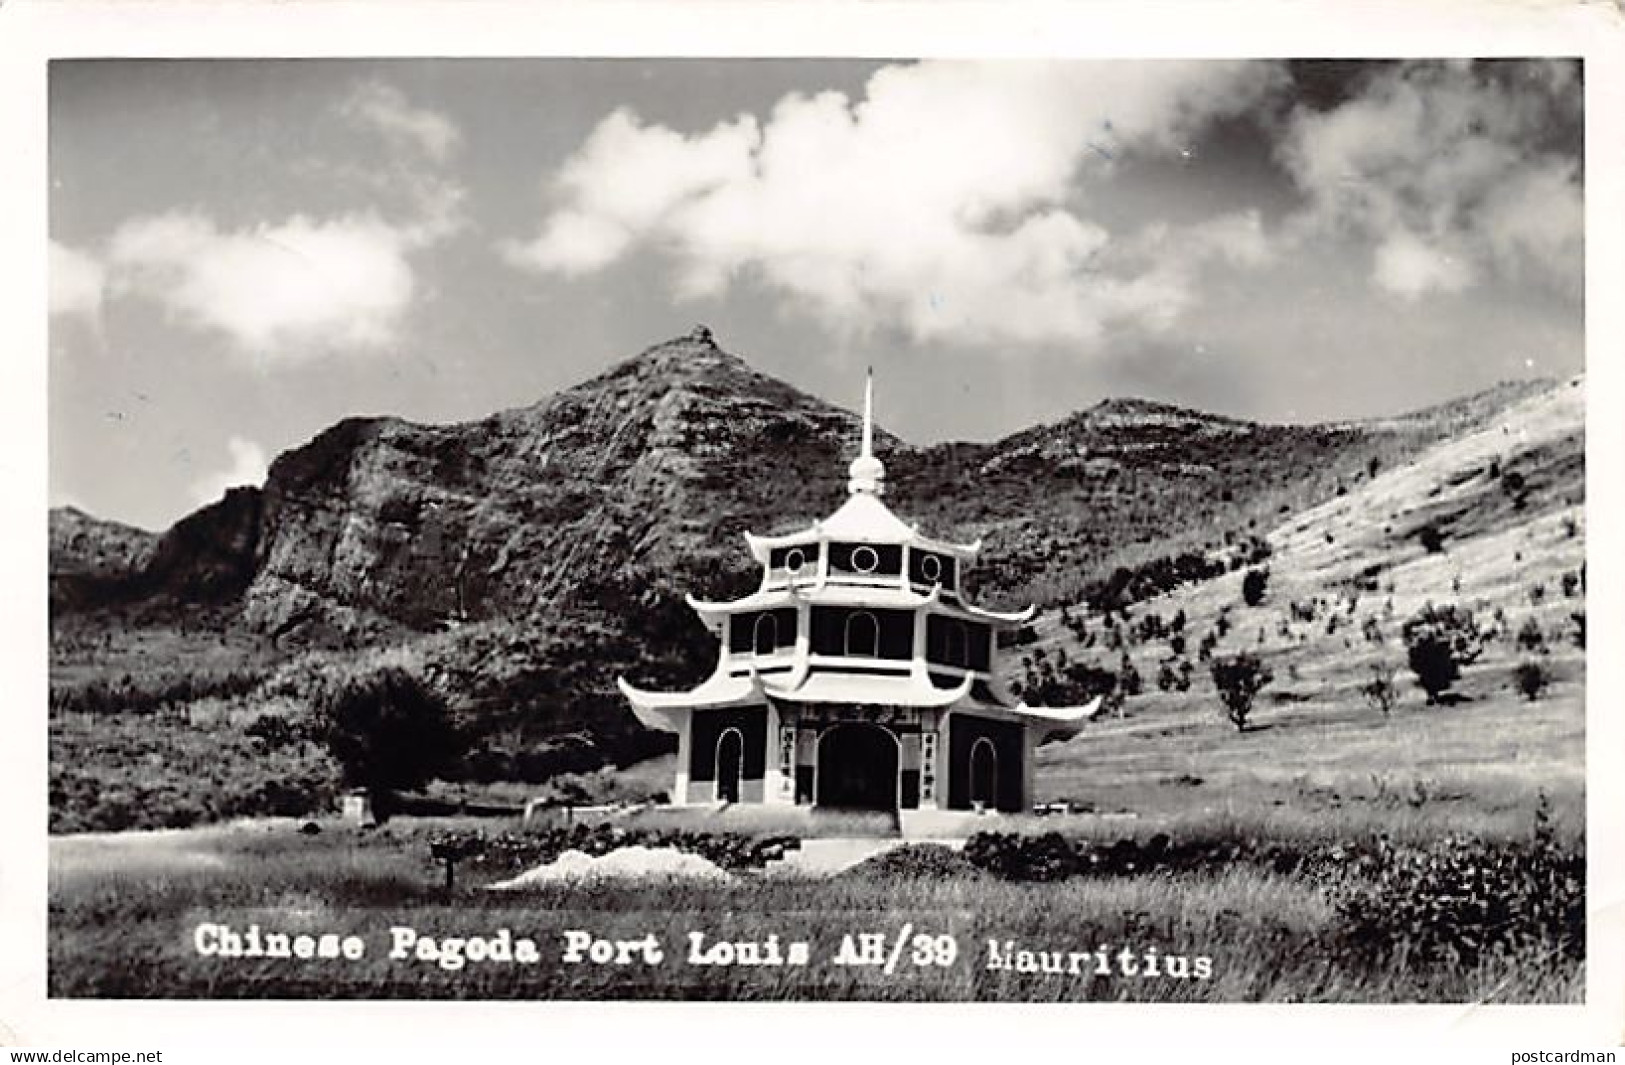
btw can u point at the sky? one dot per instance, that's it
(243, 252)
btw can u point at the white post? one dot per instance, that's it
(684, 745)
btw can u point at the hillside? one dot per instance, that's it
(1507, 504)
(654, 469)
(524, 560)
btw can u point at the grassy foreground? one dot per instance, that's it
(126, 912)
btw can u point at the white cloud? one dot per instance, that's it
(248, 467)
(78, 281)
(943, 202)
(1451, 171)
(281, 292)
(385, 108)
(299, 287)
(1410, 268)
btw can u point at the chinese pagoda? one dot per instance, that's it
(856, 675)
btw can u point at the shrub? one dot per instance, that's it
(1578, 618)
(273, 731)
(1462, 900)
(1239, 679)
(1431, 538)
(1530, 636)
(1531, 678)
(1438, 642)
(1253, 585)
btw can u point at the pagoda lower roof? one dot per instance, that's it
(659, 710)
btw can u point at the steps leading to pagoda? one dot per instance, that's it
(932, 826)
(831, 855)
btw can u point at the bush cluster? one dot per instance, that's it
(1461, 900)
(1456, 900)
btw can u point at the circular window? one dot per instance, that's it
(864, 560)
(931, 567)
(795, 560)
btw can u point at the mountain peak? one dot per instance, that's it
(1136, 408)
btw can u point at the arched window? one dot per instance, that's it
(764, 635)
(862, 635)
(956, 648)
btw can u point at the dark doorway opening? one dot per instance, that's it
(857, 768)
(984, 774)
(730, 762)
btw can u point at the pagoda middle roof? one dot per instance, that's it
(836, 593)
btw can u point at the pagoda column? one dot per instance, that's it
(779, 773)
(684, 746)
(933, 759)
(1029, 755)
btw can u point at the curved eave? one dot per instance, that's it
(660, 710)
(1059, 722)
(1061, 714)
(963, 552)
(1019, 617)
(761, 546)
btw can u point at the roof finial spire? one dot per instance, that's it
(869, 413)
(867, 474)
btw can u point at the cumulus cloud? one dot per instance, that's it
(299, 287)
(247, 467)
(386, 109)
(283, 291)
(78, 281)
(944, 202)
(1451, 171)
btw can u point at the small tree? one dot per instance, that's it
(1531, 678)
(1438, 642)
(1129, 681)
(1379, 691)
(1531, 637)
(1253, 585)
(389, 732)
(1239, 678)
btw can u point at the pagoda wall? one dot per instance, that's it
(1010, 745)
(705, 729)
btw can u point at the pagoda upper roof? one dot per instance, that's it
(863, 518)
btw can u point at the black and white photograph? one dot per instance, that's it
(792, 529)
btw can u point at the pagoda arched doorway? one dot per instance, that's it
(984, 774)
(857, 767)
(730, 764)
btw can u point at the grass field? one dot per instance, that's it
(125, 910)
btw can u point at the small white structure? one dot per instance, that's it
(856, 675)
